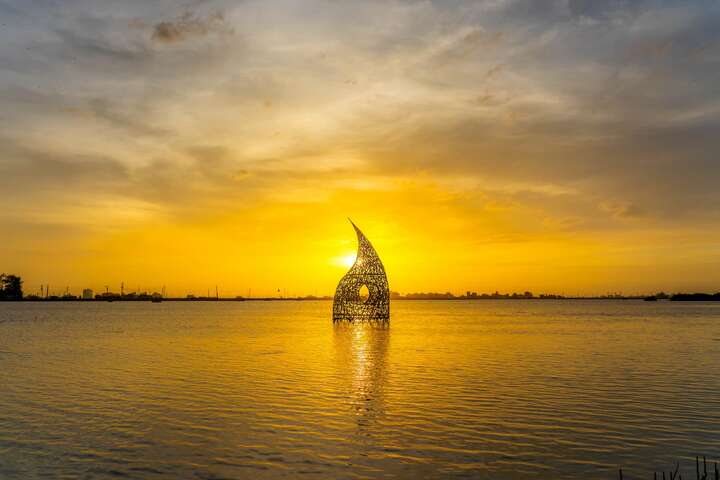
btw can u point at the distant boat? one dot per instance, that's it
(652, 298)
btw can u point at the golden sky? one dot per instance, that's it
(564, 146)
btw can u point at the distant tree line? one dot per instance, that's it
(10, 287)
(697, 297)
(470, 296)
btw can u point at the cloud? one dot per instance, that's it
(607, 100)
(623, 210)
(188, 25)
(28, 172)
(604, 9)
(112, 113)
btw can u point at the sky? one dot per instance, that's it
(561, 146)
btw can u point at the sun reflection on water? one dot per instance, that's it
(361, 352)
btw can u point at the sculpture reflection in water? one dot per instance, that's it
(361, 357)
(367, 271)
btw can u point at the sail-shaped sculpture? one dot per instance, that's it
(367, 271)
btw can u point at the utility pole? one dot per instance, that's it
(217, 295)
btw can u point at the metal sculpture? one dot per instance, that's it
(368, 272)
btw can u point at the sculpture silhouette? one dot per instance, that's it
(368, 272)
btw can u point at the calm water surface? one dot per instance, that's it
(485, 389)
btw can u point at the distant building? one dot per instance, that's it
(88, 294)
(109, 296)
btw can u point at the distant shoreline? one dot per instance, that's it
(678, 297)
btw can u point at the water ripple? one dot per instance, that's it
(273, 390)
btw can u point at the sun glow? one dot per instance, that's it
(347, 260)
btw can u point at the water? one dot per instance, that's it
(484, 389)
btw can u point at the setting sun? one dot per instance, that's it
(347, 260)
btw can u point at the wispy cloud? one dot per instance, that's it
(188, 25)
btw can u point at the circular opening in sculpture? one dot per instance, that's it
(364, 294)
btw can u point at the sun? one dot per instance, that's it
(347, 260)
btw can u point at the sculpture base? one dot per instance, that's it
(360, 319)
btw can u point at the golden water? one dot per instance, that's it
(484, 389)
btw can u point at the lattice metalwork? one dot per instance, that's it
(368, 272)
